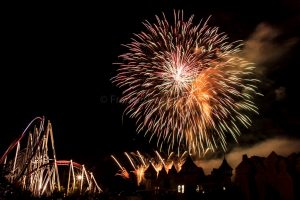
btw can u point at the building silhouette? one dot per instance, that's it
(273, 177)
(255, 177)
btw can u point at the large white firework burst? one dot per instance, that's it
(186, 85)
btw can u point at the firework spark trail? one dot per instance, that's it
(179, 160)
(142, 158)
(130, 160)
(122, 172)
(157, 163)
(186, 86)
(157, 167)
(141, 162)
(139, 167)
(168, 162)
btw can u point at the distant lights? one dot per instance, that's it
(180, 189)
(79, 177)
(197, 188)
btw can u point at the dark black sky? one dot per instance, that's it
(57, 60)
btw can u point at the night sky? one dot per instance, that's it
(57, 62)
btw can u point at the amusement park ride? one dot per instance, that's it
(30, 162)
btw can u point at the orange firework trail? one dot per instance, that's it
(140, 168)
(179, 160)
(157, 163)
(168, 162)
(122, 172)
(186, 86)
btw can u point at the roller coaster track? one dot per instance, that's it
(30, 162)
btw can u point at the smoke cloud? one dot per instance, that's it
(282, 146)
(266, 46)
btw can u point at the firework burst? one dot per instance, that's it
(186, 85)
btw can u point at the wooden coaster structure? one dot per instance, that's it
(30, 162)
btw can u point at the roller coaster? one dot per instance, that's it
(30, 162)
